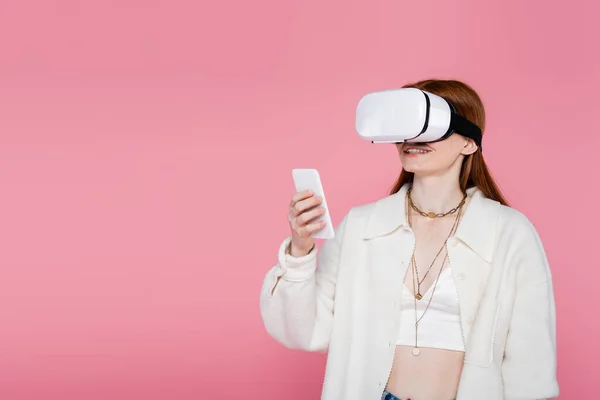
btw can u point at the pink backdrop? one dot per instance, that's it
(146, 150)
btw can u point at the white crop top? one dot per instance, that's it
(440, 326)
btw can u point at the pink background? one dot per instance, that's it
(146, 150)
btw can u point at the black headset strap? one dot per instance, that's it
(463, 126)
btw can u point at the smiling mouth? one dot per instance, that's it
(411, 149)
(416, 151)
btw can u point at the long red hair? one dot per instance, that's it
(474, 171)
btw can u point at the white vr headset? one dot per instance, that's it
(410, 115)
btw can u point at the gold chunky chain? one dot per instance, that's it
(432, 214)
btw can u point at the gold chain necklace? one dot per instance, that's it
(416, 350)
(417, 293)
(432, 214)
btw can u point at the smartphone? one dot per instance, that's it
(309, 179)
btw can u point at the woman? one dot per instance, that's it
(438, 291)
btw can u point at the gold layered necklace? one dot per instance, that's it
(432, 214)
(415, 273)
(419, 281)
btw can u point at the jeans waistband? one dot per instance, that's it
(389, 396)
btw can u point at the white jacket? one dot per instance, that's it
(349, 305)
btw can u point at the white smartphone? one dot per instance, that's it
(309, 179)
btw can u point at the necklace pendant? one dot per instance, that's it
(416, 351)
(418, 296)
(431, 214)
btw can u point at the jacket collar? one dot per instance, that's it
(477, 228)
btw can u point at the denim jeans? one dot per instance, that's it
(388, 396)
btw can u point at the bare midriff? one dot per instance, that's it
(432, 375)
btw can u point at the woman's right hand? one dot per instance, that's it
(304, 208)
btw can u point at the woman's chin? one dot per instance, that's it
(414, 167)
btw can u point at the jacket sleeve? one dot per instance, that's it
(529, 366)
(297, 297)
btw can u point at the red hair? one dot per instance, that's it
(474, 171)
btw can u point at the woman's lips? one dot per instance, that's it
(415, 150)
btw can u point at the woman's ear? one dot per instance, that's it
(469, 148)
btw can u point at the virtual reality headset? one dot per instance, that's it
(410, 115)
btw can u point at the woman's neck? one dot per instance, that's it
(436, 194)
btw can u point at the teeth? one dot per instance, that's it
(416, 151)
